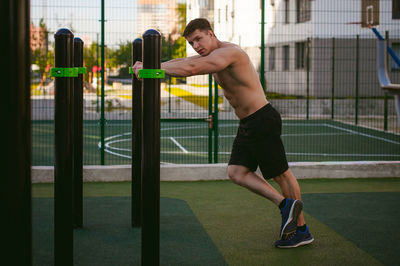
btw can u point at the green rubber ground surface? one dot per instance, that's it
(353, 221)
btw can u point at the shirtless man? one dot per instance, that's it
(258, 141)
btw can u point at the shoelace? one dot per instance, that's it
(291, 235)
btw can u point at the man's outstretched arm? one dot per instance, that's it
(198, 65)
(139, 65)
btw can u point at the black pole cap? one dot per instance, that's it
(63, 32)
(77, 39)
(137, 41)
(151, 33)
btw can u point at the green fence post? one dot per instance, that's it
(333, 80)
(210, 116)
(215, 122)
(262, 71)
(102, 121)
(385, 114)
(169, 77)
(308, 77)
(357, 74)
(97, 72)
(385, 100)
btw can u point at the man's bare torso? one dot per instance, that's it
(240, 83)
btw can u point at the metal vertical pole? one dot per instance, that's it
(102, 120)
(262, 68)
(308, 77)
(151, 155)
(15, 181)
(97, 72)
(169, 77)
(357, 76)
(78, 136)
(386, 96)
(333, 80)
(63, 165)
(137, 122)
(215, 122)
(210, 117)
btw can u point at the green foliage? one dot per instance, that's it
(90, 56)
(121, 56)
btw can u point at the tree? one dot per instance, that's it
(42, 56)
(175, 48)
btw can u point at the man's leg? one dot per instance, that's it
(290, 189)
(242, 176)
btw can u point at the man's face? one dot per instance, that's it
(201, 41)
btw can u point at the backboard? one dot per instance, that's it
(369, 13)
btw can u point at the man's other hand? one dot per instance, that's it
(136, 67)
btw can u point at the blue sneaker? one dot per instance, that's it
(290, 212)
(298, 238)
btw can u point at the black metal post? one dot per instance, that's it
(63, 165)
(137, 113)
(151, 152)
(15, 181)
(78, 136)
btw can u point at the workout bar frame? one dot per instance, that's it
(63, 165)
(78, 136)
(15, 184)
(151, 152)
(137, 122)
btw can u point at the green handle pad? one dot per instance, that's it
(67, 72)
(149, 73)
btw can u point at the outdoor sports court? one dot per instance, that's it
(186, 142)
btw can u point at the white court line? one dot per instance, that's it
(115, 148)
(283, 135)
(295, 154)
(362, 134)
(178, 144)
(196, 127)
(340, 154)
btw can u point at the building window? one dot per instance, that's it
(286, 14)
(300, 55)
(271, 57)
(286, 56)
(396, 50)
(395, 9)
(303, 10)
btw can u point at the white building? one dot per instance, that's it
(157, 14)
(294, 25)
(235, 21)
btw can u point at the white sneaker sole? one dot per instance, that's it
(306, 242)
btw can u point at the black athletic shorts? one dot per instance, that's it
(258, 143)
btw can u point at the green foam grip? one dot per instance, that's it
(64, 72)
(149, 73)
(82, 70)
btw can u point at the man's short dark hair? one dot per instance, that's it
(196, 24)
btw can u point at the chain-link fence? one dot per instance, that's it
(319, 72)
